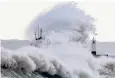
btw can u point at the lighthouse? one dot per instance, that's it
(93, 51)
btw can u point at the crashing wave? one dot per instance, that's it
(30, 62)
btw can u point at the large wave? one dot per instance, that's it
(63, 17)
(31, 59)
(64, 57)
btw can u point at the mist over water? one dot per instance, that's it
(69, 60)
(62, 17)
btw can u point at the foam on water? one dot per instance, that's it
(64, 56)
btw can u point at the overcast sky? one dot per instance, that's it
(15, 16)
